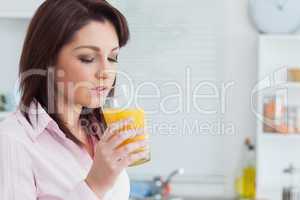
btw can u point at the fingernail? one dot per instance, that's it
(125, 121)
(131, 133)
(130, 119)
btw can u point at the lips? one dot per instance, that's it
(100, 90)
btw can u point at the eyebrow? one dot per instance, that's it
(94, 48)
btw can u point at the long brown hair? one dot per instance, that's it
(53, 26)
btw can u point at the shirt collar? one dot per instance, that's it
(39, 119)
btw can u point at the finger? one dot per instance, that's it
(142, 134)
(124, 151)
(121, 137)
(114, 127)
(132, 158)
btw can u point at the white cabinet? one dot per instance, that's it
(276, 151)
(18, 9)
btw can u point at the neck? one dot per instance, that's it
(69, 113)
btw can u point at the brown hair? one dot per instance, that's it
(53, 26)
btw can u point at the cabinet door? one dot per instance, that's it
(17, 8)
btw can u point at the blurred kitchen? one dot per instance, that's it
(219, 81)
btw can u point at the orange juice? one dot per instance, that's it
(112, 115)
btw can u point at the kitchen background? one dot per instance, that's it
(188, 42)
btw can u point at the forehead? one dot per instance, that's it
(101, 34)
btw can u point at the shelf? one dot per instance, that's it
(280, 135)
(291, 85)
(287, 85)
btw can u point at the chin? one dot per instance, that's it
(95, 103)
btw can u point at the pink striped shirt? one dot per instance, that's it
(39, 162)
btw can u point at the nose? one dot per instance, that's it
(102, 74)
(103, 71)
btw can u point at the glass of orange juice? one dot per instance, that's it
(113, 111)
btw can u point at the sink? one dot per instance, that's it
(188, 198)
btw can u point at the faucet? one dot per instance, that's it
(290, 191)
(162, 188)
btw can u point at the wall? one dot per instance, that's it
(240, 67)
(219, 157)
(12, 33)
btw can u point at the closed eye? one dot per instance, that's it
(115, 60)
(86, 60)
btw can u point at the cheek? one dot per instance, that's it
(78, 72)
(75, 82)
(79, 90)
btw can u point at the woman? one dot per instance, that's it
(56, 145)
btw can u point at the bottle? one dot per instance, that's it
(245, 183)
(269, 114)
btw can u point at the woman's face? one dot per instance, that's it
(86, 67)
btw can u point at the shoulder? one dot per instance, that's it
(12, 128)
(16, 147)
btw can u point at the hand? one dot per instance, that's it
(110, 159)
